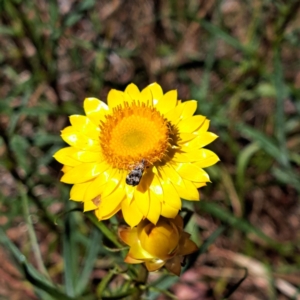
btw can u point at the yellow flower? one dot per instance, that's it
(163, 244)
(140, 153)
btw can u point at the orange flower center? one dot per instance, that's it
(132, 133)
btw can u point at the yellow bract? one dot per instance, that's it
(111, 140)
(163, 244)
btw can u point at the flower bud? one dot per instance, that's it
(158, 245)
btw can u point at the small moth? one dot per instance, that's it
(135, 175)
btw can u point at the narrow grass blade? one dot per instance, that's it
(234, 287)
(37, 282)
(104, 282)
(30, 273)
(203, 248)
(242, 163)
(266, 143)
(279, 116)
(219, 33)
(33, 239)
(287, 177)
(89, 262)
(242, 225)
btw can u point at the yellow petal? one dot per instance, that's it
(131, 213)
(138, 253)
(167, 102)
(191, 124)
(189, 108)
(200, 141)
(128, 235)
(66, 169)
(64, 156)
(174, 115)
(133, 91)
(199, 184)
(146, 180)
(88, 206)
(98, 185)
(95, 110)
(142, 201)
(112, 213)
(115, 98)
(191, 172)
(206, 138)
(156, 188)
(78, 190)
(116, 177)
(169, 174)
(159, 240)
(154, 208)
(79, 140)
(156, 91)
(83, 172)
(109, 203)
(146, 96)
(131, 260)
(182, 157)
(116, 180)
(185, 137)
(87, 156)
(204, 127)
(202, 157)
(171, 197)
(187, 190)
(84, 125)
(154, 265)
(129, 192)
(205, 158)
(168, 211)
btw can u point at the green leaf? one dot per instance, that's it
(86, 5)
(19, 146)
(73, 19)
(266, 143)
